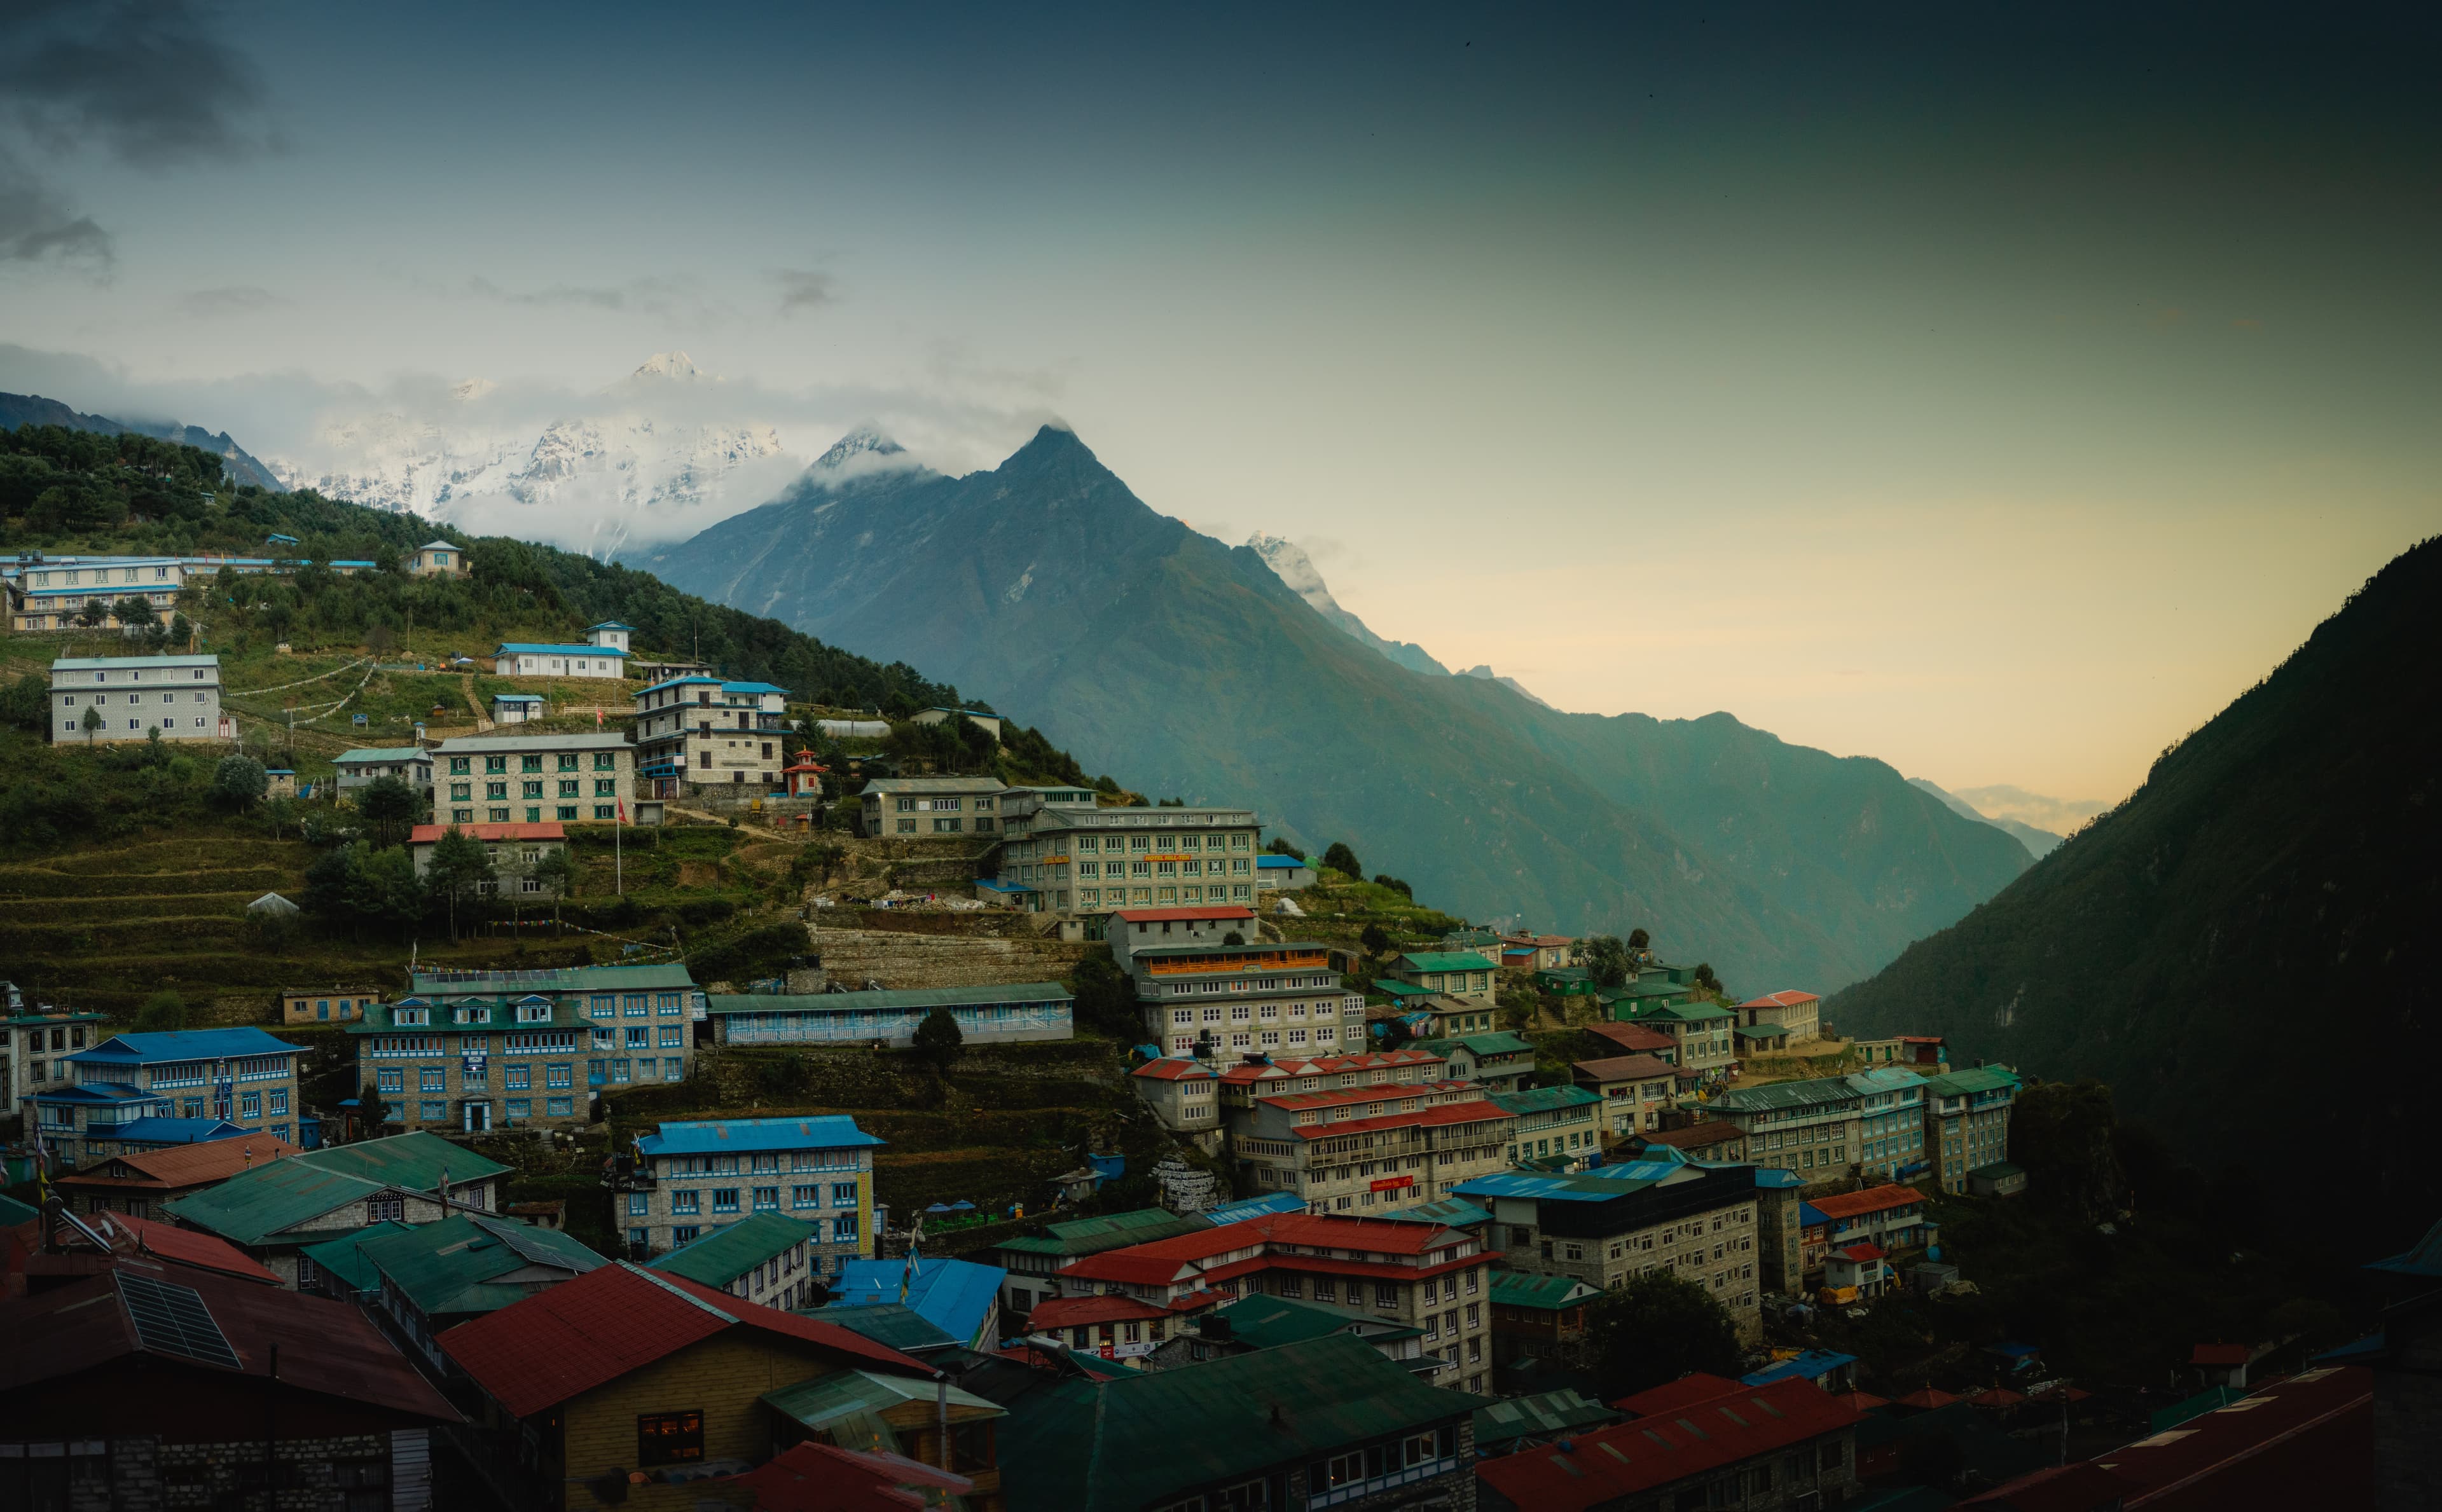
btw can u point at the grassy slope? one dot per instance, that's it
(2229, 946)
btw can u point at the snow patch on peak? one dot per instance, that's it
(866, 440)
(677, 365)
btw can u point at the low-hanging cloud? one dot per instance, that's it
(805, 289)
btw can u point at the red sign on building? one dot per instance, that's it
(1394, 1183)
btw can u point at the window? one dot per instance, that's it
(387, 1206)
(670, 1438)
(767, 1199)
(725, 1199)
(805, 1196)
(433, 1079)
(689, 1202)
(843, 1193)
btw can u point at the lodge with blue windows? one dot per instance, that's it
(480, 1050)
(690, 1180)
(240, 1075)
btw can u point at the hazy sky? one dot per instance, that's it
(1995, 395)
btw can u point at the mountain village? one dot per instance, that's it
(1363, 1187)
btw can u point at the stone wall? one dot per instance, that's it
(941, 956)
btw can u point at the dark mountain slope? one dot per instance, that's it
(2245, 949)
(1047, 586)
(33, 409)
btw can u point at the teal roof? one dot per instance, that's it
(1960, 1084)
(847, 1394)
(729, 1252)
(1515, 1289)
(1682, 1012)
(1764, 1032)
(1092, 1236)
(344, 1257)
(448, 1268)
(1544, 1098)
(1117, 1446)
(894, 998)
(548, 980)
(261, 1206)
(1391, 988)
(1451, 1213)
(392, 754)
(887, 1322)
(1267, 1323)
(13, 1212)
(1548, 1413)
(1447, 960)
(1483, 1047)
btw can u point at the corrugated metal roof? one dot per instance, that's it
(442, 1268)
(1518, 1417)
(1516, 1288)
(956, 1296)
(888, 1323)
(1089, 1236)
(892, 998)
(828, 1397)
(732, 1250)
(549, 979)
(1983, 1079)
(1447, 960)
(825, 1131)
(1813, 1091)
(1544, 1098)
(1109, 1446)
(185, 1044)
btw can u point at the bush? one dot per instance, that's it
(938, 1038)
(1340, 858)
(697, 912)
(162, 1011)
(1385, 880)
(239, 782)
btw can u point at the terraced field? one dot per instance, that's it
(106, 929)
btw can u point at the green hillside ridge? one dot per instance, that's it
(2230, 945)
(1196, 669)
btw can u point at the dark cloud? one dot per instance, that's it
(236, 298)
(36, 224)
(143, 80)
(804, 290)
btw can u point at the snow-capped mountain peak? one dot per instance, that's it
(864, 441)
(675, 365)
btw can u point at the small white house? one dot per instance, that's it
(517, 708)
(526, 659)
(610, 634)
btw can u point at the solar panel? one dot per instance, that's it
(174, 1321)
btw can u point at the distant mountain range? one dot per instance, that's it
(642, 461)
(33, 409)
(1289, 561)
(2255, 921)
(1045, 586)
(2039, 843)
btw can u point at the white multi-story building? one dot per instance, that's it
(530, 778)
(1095, 861)
(50, 593)
(1278, 999)
(131, 697)
(695, 732)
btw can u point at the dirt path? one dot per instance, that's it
(467, 686)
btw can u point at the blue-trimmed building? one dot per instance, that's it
(695, 731)
(238, 1074)
(692, 1179)
(1001, 1014)
(572, 779)
(542, 659)
(480, 1051)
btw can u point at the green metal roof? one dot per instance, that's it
(13, 1212)
(344, 1257)
(1447, 960)
(1267, 1323)
(1548, 1413)
(1392, 988)
(1813, 1092)
(447, 1266)
(847, 1393)
(1682, 1012)
(887, 1322)
(258, 1206)
(1483, 1047)
(897, 997)
(729, 1252)
(548, 980)
(1118, 1446)
(1092, 1236)
(1543, 1098)
(1516, 1288)
(1764, 1032)
(1958, 1083)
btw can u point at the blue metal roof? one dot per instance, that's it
(179, 1131)
(1612, 1184)
(1808, 1366)
(1452, 1212)
(110, 1093)
(752, 687)
(1774, 1176)
(955, 1296)
(1808, 1214)
(517, 697)
(560, 651)
(185, 1044)
(1262, 1207)
(1278, 863)
(830, 1131)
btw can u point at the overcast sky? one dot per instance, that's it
(1995, 394)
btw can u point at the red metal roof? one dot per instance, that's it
(2081, 1487)
(812, 1477)
(1789, 999)
(1659, 1450)
(1329, 1064)
(1634, 1038)
(587, 1332)
(1077, 1312)
(186, 1165)
(324, 1347)
(1928, 1398)
(1170, 1069)
(2221, 1355)
(1156, 916)
(1695, 1387)
(1862, 1401)
(1861, 1253)
(425, 834)
(1996, 1397)
(1695, 1136)
(2303, 1442)
(1475, 1110)
(1873, 1199)
(1624, 1067)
